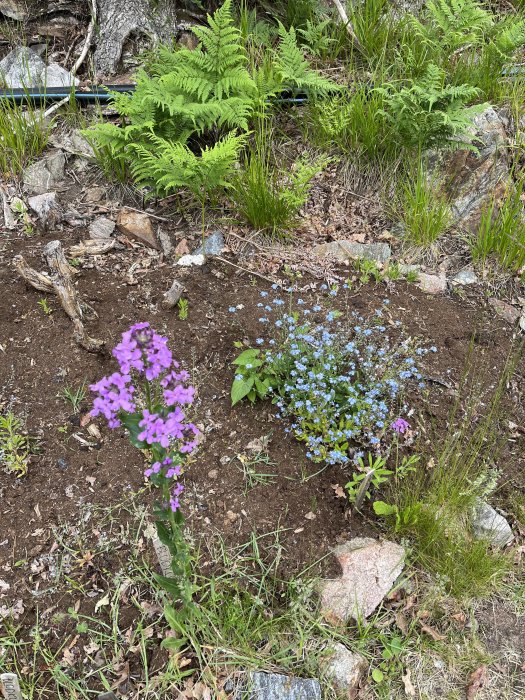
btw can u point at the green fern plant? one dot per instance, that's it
(453, 24)
(186, 122)
(427, 113)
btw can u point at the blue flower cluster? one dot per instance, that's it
(338, 378)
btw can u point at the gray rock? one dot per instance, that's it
(95, 194)
(506, 311)
(22, 67)
(344, 669)
(369, 569)
(408, 269)
(56, 76)
(165, 242)
(213, 244)
(522, 320)
(432, 284)
(488, 524)
(73, 142)
(274, 686)
(46, 208)
(110, 695)
(348, 250)
(101, 228)
(14, 9)
(474, 178)
(465, 277)
(45, 174)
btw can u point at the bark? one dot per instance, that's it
(118, 19)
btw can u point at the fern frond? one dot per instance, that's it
(293, 68)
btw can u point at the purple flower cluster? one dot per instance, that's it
(143, 350)
(400, 426)
(146, 352)
(115, 394)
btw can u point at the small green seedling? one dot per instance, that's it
(45, 306)
(75, 396)
(183, 309)
(15, 446)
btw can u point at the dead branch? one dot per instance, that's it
(61, 284)
(344, 19)
(92, 247)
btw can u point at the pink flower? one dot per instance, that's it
(400, 425)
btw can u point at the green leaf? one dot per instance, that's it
(170, 585)
(173, 644)
(378, 675)
(241, 388)
(382, 508)
(262, 387)
(247, 357)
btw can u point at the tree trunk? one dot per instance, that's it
(118, 19)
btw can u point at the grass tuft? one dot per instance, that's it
(24, 133)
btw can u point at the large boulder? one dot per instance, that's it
(473, 177)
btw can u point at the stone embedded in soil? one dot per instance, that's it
(110, 695)
(101, 228)
(213, 244)
(274, 686)
(506, 311)
(94, 194)
(44, 175)
(348, 250)
(488, 524)
(344, 668)
(522, 320)
(465, 277)
(369, 569)
(432, 284)
(73, 142)
(46, 208)
(137, 225)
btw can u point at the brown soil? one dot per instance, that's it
(73, 470)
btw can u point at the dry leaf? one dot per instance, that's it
(477, 680)
(401, 622)
(339, 491)
(409, 687)
(102, 602)
(85, 420)
(436, 636)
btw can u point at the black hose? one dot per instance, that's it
(100, 94)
